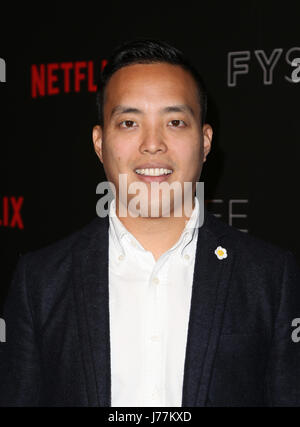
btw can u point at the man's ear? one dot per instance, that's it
(207, 138)
(97, 140)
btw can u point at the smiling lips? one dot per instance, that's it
(153, 174)
(153, 171)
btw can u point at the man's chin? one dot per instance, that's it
(155, 210)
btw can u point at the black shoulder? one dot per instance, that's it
(241, 239)
(252, 251)
(58, 254)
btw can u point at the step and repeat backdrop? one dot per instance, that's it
(248, 54)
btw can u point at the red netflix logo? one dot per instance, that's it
(11, 215)
(63, 77)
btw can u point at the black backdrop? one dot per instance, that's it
(52, 55)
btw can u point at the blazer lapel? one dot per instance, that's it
(210, 285)
(90, 278)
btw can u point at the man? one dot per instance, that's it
(153, 309)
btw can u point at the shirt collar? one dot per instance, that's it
(118, 230)
(190, 231)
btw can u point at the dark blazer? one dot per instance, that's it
(239, 351)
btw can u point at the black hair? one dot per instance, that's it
(145, 51)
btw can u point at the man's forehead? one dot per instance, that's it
(138, 88)
(156, 67)
(164, 109)
(162, 75)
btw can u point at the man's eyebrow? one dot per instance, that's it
(180, 108)
(177, 108)
(124, 109)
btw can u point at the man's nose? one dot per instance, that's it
(153, 142)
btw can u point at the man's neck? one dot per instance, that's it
(155, 234)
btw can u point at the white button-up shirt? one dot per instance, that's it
(149, 303)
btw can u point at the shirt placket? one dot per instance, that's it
(154, 338)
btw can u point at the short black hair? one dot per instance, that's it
(146, 51)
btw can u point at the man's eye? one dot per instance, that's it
(127, 124)
(177, 123)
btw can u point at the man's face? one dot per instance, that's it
(152, 120)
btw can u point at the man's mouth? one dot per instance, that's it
(154, 171)
(153, 174)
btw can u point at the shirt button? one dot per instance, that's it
(155, 393)
(155, 338)
(121, 257)
(133, 244)
(156, 280)
(187, 257)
